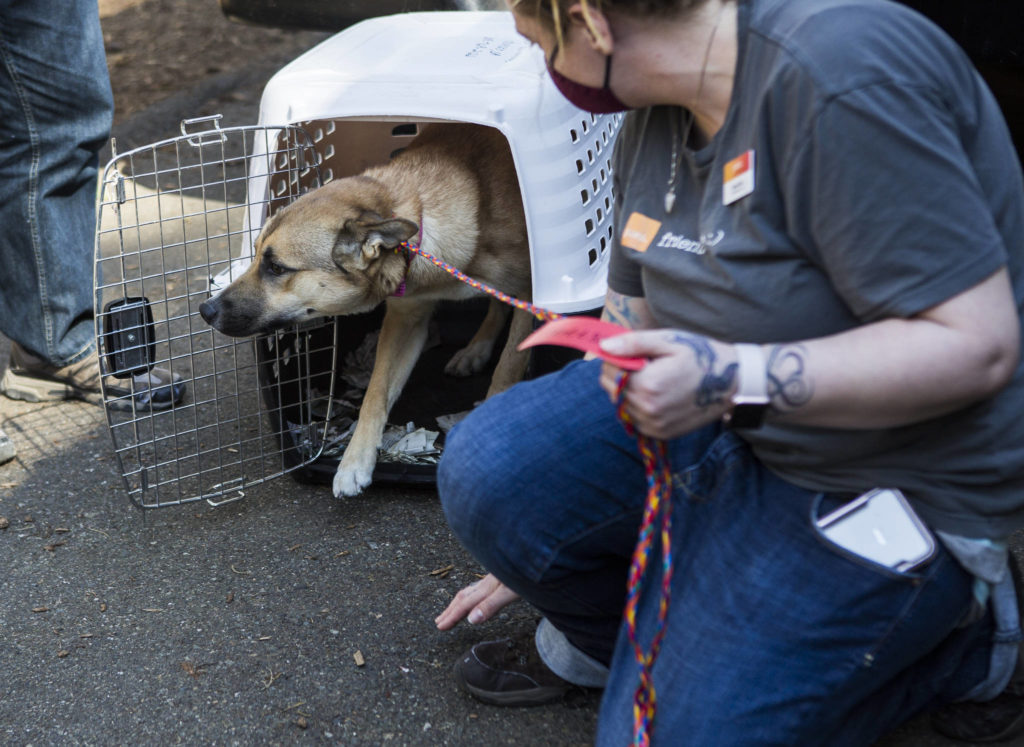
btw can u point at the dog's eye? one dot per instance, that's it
(276, 269)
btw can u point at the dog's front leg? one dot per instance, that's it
(402, 336)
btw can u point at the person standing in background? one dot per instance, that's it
(56, 110)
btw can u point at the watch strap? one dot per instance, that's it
(750, 403)
(753, 374)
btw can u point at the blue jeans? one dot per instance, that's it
(56, 110)
(774, 636)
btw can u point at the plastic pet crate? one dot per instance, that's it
(334, 15)
(178, 221)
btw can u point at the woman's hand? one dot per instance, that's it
(477, 602)
(687, 383)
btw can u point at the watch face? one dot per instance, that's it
(747, 416)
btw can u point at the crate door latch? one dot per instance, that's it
(203, 137)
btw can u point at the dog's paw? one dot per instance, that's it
(472, 359)
(350, 480)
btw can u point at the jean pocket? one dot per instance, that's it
(862, 537)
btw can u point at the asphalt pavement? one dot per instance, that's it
(286, 617)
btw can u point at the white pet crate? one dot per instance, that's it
(177, 221)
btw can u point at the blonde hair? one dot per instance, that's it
(555, 16)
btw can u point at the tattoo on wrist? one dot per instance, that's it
(713, 387)
(789, 385)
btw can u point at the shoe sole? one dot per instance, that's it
(516, 698)
(30, 389)
(7, 450)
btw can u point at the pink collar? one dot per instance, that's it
(406, 247)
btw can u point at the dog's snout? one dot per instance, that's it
(209, 309)
(227, 316)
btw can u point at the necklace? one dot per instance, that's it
(670, 194)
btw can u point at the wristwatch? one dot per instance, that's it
(750, 403)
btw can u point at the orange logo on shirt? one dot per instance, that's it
(639, 232)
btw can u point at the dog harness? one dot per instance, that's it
(657, 511)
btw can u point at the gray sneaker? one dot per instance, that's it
(7, 450)
(32, 379)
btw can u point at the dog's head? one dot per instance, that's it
(329, 253)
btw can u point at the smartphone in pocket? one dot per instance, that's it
(881, 526)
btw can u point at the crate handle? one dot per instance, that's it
(216, 504)
(201, 138)
(234, 484)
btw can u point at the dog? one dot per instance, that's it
(339, 250)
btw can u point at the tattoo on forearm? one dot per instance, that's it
(713, 386)
(789, 385)
(617, 309)
(627, 311)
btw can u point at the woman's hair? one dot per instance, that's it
(554, 13)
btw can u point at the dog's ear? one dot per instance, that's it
(368, 235)
(385, 234)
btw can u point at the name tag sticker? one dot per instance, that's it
(738, 178)
(639, 232)
(583, 333)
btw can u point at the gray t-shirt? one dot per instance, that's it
(884, 182)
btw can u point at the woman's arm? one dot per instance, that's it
(630, 312)
(889, 373)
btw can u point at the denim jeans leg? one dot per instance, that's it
(776, 637)
(56, 110)
(567, 661)
(545, 488)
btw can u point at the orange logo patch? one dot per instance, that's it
(738, 178)
(737, 166)
(639, 232)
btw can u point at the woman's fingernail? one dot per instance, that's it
(475, 617)
(611, 345)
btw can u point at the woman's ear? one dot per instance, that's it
(594, 24)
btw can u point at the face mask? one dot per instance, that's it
(588, 98)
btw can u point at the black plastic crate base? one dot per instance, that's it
(428, 394)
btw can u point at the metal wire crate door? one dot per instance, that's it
(171, 217)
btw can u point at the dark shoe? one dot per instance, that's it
(997, 720)
(509, 672)
(32, 379)
(7, 450)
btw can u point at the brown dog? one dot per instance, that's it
(336, 251)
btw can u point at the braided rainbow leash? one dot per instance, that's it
(542, 314)
(658, 504)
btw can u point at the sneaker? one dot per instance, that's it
(7, 450)
(32, 379)
(997, 720)
(509, 672)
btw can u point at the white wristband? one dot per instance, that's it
(750, 402)
(753, 375)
